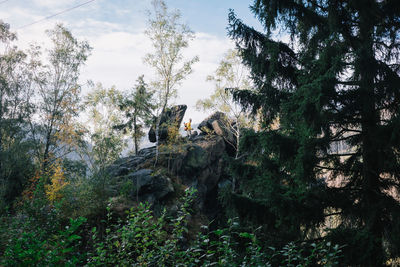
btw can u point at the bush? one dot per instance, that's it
(143, 240)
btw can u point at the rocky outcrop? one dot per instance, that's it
(148, 186)
(124, 166)
(171, 117)
(219, 124)
(197, 163)
(206, 125)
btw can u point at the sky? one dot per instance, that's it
(115, 30)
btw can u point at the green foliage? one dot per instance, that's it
(16, 168)
(73, 169)
(42, 239)
(232, 246)
(322, 254)
(16, 165)
(84, 197)
(142, 240)
(169, 38)
(105, 143)
(37, 233)
(230, 74)
(34, 247)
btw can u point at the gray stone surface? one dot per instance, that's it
(150, 187)
(195, 162)
(219, 124)
(224, 129)
(206, 125)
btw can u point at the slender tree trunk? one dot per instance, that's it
(369, 125)
(46, 151)
(135, 130)
(237, 135)
(157, 130)
(237, 138)
(165, 102)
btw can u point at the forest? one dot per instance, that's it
(297, 165)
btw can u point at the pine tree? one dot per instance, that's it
(138, 107)
(336, 81)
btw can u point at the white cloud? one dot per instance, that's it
(53, 3)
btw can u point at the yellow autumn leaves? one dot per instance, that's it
(53, 190)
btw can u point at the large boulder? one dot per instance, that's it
(218, 123)
(225, 130)
(126, 165)
(206, 125)
(170, 117)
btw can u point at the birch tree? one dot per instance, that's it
(106, 142)
(169, 37)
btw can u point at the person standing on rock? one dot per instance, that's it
(188, 127)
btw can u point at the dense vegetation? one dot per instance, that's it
(313, 179)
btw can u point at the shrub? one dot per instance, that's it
(38, 248)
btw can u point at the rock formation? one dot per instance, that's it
(196, 162)
(171, 117)
(219, 124)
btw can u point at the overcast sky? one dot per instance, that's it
(115, 30)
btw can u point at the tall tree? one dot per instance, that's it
(15, 110)
(138, 108)
(169, 38)
(336, 80)
(58, 93)
(230, 74)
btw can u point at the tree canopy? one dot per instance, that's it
(169, 37)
